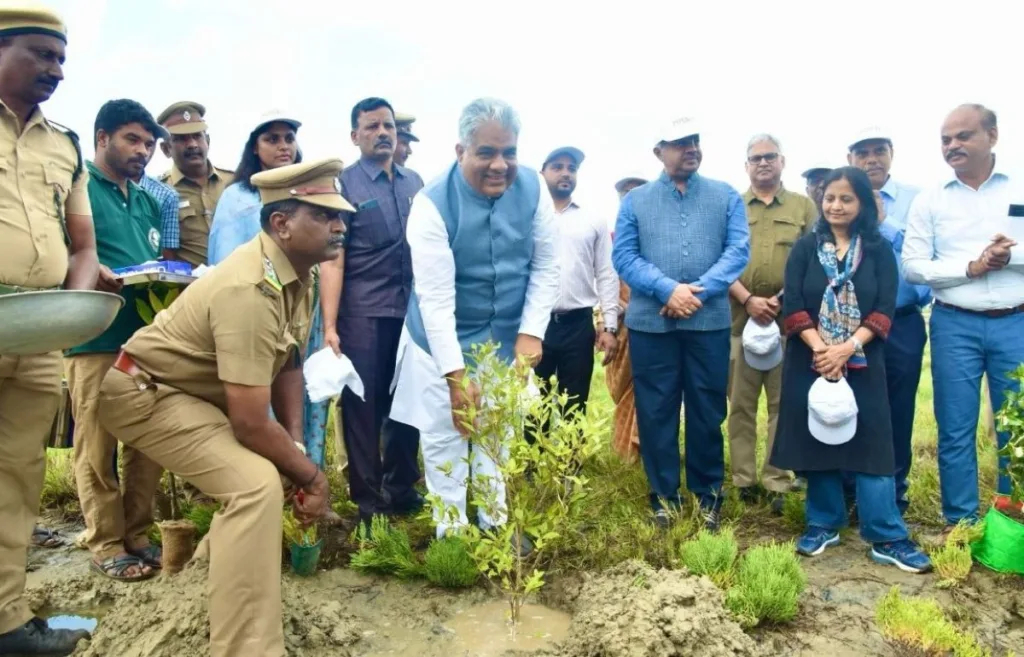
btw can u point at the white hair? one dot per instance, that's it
(764, 136)
(483, 110)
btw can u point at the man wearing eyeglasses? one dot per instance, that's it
(777, 218)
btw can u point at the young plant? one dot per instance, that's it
(767, 586)
(919, 623)
(385, 550)
(952, 560)
(712, 555)
(544, 490)
(448, 563)
(1010, 418)
(294, 534)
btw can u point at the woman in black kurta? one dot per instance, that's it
(844, 338)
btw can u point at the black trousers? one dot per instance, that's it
(375, 484)
(569, 355)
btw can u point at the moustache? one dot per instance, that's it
(950, 155)
(191, 152)
(384, 142)
(46, 79)
(141, 161)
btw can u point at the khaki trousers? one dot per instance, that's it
(113, 520)
(193, 439)
(30, 393)
(745, 384)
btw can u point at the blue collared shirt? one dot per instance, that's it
(897, 199)
(700, 237)
(235, 222)
(167, 198)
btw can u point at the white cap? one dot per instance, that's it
(679, 129)
(633, 176)
(762, 345)
(832, 411)
(871, 133)
(276, 116)
(817, 166)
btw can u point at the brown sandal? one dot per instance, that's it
(46, 538)
(151, 555)
(116, 567)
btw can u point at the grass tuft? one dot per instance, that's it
(385, 550)
(919, 623)
(768, 585)
(59, 488)
(448, 564)
(712, 555)
(952, 560)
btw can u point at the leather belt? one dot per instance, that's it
(125, 363)
(577, 313)
(995, 313)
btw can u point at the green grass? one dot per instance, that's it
(919, 623)
(768, 585)
(447, 563)
(712, 555)
(60, 492)
(385, 550)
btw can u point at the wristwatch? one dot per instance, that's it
(857, 344)
(613, 331)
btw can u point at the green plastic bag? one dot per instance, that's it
(1002, 546)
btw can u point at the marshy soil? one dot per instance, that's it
(631, 610)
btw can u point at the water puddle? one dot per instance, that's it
(73, 619)
(483, 630)
(478, 631)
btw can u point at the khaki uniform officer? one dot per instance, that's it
(403, 149)
(198, 182)
(777, 218)
(46, 240)
(193, 392)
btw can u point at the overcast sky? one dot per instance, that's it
(604, 80)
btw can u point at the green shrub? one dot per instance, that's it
(768, 585)
(385, 550)
(201, 514)
(59, 488)
(449, 564)
(712, 555)
(920, 623)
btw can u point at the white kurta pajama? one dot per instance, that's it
(421, 392)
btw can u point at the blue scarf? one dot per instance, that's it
(839, 316)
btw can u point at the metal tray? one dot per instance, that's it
(158, 277)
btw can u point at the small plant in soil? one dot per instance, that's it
(952, 560)
(385, 550)
(1010, 418)
(294, 534)
(448, 563)
(919, 623)
(712, 555)
(544, 488)
(767, 586)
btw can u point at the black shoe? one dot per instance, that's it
(36, 638)
(750, 494)
(711, 517)
(411, 505)
(777, 501)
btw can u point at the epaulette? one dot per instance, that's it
(270, 285)
(73, 136)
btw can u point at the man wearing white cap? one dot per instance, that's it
(403, 144)
(680, 242)
(871, 151)
(777, 218)
(815, 183)
(587, 280)
(962, 240)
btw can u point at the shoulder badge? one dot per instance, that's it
(270, 274)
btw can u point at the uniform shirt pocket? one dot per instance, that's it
(59, 181)
(370, 228)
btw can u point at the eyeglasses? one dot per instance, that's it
(767, 157)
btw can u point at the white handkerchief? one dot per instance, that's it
(327, 375)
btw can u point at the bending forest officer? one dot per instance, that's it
(46, 240)
(207, 371)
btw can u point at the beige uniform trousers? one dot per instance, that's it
(113, 520)
(30, 393)
(745, 384)
(193, 439)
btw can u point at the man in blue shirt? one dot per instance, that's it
(680, 242)
(871, 151)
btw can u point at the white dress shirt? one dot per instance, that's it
(585, 256)
(949, 227)
(433, 269)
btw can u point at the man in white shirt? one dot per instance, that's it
(485, 268)
(961, 241)
(587, 280)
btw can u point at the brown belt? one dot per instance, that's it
(124, 363)
(995, 313)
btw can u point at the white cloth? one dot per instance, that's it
(433, 268)
(327, 374)
(950, 226)
(585, 257)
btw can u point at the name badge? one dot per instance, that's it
(182, 205)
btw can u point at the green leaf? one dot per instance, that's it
(145, 312)
(154, 301)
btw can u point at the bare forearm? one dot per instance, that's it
(271, 441)
(812, 339)
(287, 401)
(864, 335)
(739, 292)
(83, 270)
(332, 276)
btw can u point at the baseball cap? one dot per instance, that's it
(762, 345)
(831, 411)
(633, 176)
(277, 116)
(817, 166)
(871, 133)
(573, 152)
(679, 129)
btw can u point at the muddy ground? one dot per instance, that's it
(631, 611)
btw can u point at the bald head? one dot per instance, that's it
(969, 134)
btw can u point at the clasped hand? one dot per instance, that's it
(683, 303)
(830, 361)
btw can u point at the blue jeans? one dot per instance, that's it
(665, 367)
(964, 348)
(880, 519)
